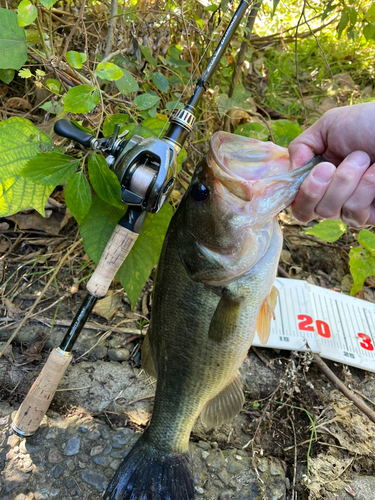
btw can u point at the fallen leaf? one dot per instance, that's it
(18, 103)
(34, 220)
(109, 305)
(12, 309)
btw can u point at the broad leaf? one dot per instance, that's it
(127, 83)
(78, 196)
(104, 181)
(369, 31)
(344, 20)
(146, 101)
(54, 85)
(112, 120)
(147, 55)
(81, 99)
(328, 230)
(284, 131)
(160, 82)
(362, 265)
(240, 100)
(74, 59)
(253, 130)
(108, 71)
(13, 48)
(7, 75)
(370, 14)
(27, 13)
(48, 3)
(20, 140)
(50, 168)
(174, 105)
(367, 239)
(97, 228)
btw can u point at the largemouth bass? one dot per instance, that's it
(213, 290)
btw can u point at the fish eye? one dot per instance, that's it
(199, 192)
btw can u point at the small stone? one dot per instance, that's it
(93, 435)
(215, 461)
(119, 354)
(104, 432)
(57, 471)
(205, 454)
(83, 458)
(263, 465)
(226, 495)
(83, 429)
(199, 490)
(81, 465)
(13, 478)
(274, 471)
(3, 421)
(235, 466)
(21, 496)
(69, 484)
(204, 445)
(27, 464)
(70, 465)
(214, 445)
(221, 437)
(52, 433)
(54, 492)
(277, 494)
(107, 449)
(100, 461)
(96, 450)
(96, 480)
(118, 454)
(13, 440)
(41, 494)
(115, 464)
(72, 447)
(223, 476)
(122, 436)
(54, 456)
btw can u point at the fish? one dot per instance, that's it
(214, 289)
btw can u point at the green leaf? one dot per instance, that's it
(108, 71)
(81, 99)
(367, 239)
(370, 14)
(253, 130)
(362, 265)
(54, 86)
(7, 75)
(241, 99)
(145, 253)
(275, 4)
(48, 3)
(328, 230)
(146, 101)
(13, 48)
(74, 59)
(160, 82)
(152, 127)
(111, 121)
(27, 13)
(344, 20)
(284, 131)
(25, 73)
(369, 31)
(174, 105)
(147, 55)
(127, 83)
(104, 181)
(78, 196)
(50, 168)
(353, 15)
(20, 140)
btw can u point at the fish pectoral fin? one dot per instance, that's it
(147, 361)
(226, 317)
(224, 406)
(267, 311)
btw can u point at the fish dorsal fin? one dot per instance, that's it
(224, 406)
(267, 311)
(226, 316)
(147, 361)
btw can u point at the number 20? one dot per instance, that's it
(307, 324)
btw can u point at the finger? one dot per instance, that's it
(299, 154)
(344, 183)
(312, 191)
(358, 210)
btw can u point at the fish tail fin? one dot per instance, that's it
(148, 473)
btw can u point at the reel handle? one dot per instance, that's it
(65, 128)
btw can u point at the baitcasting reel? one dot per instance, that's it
(146, 168)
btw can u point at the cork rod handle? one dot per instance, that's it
(117, 249)
(38, 399)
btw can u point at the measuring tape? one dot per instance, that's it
(334, 325)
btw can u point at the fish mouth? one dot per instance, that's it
(240, 162)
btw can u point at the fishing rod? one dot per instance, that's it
(146, 169)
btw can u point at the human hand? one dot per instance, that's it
(345, 137)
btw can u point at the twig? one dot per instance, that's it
(40, 296)
(296, 57)
(361, 405)
(111, 27)
(73, 30)
(187, 42)
(295, 458)
(141, 399)
(283, 272)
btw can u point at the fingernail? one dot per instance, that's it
(359, 159)
(323, 173)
